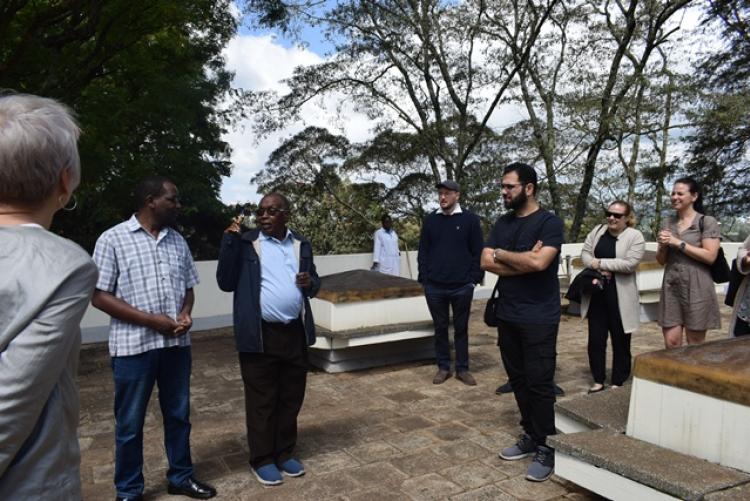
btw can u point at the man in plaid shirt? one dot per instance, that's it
(146, 280)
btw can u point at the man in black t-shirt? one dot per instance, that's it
(523, 248)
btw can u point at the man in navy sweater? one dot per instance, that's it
(450, 247)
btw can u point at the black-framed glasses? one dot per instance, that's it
(509, 187)
(613, 214)
(272, 211)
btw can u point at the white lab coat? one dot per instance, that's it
(385, 252)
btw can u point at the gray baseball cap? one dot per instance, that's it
(448, 184)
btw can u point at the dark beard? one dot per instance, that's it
(517, 202)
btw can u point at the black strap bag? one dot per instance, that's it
(735, 278)
(719, 268)
(490, 309)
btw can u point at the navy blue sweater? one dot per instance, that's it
(449, 249)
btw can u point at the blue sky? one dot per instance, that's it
(309, 36)
(261, 60)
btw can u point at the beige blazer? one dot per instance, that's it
(629, 251)
(741, 253)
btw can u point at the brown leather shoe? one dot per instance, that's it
(440, 376)
(466, 378)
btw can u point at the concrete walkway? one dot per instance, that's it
(381, 434)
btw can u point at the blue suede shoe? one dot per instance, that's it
(293, 468)
(268, 474)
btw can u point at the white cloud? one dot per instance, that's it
(260, 63)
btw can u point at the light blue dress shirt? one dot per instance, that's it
(280, 298)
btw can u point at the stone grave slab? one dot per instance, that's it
(367, 319)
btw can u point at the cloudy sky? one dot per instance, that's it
(261, 62)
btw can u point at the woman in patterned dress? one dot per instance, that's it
(688, 245)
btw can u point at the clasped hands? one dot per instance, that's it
(666, 239)
(167, 326)
(595, 263)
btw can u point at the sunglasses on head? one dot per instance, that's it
(272, 211)
(613, 214)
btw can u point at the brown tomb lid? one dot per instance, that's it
(364, 285)
(719, 369)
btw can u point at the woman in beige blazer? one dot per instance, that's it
(614, 249)
(740, 323)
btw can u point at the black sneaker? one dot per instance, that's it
(543, 465)
(504, 388)
(526, 446)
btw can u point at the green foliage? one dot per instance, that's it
(719, 147)
(424, 69)
(335, 215)
(339, 190)
(590, 74)
(148, 83)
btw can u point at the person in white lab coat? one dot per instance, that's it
(385, 255)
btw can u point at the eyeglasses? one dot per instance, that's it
(612, 214)
(509, 187)
(272, 211)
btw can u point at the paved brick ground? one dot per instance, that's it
(381, 434)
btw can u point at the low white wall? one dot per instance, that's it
(213, 308)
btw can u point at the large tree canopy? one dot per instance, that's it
(425, 68)
(719, 147)
(148, 83)
(586, 80)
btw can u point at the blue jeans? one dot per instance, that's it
(440, 302)
(134, 378)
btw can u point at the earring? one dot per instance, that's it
(66, 207)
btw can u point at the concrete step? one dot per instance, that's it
(606, 409)
(623, 468)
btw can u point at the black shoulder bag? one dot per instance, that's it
(589, 281)
(735, 277)
(490, 309)
(719, 268)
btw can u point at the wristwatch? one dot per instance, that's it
(682, 246)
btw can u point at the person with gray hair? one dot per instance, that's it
(47, 283)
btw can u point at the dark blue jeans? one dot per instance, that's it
(440, 302)
(134, 380)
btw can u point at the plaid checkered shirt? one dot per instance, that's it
(150, 274)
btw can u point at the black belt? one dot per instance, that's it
(281, 325)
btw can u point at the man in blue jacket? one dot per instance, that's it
(450, 247)
(272, 274)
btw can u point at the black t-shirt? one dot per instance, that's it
(605, 248)
(532, 298)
